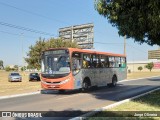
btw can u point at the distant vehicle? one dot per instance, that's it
(34, 76)
(14, 77)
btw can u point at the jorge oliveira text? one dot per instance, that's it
(145, 114)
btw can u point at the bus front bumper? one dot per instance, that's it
(66, 84)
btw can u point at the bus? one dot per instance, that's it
(72, 68)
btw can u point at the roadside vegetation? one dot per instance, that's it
(150, 66)
(148, 102)
(128, 15)
(34, 55)
(140, 68)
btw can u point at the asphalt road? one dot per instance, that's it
(78, 101)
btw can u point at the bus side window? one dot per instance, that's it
(86, 61)
(102, 61)
(123, 62)
(107, 62)
(111, 61)
(96, 61)
(117, 62)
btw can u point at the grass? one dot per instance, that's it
(150, 102)
(135, 75)
(11, 88)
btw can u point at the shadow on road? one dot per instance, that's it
(154, 79)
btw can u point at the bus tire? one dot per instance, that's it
(109, 84)
(114, 81)
(86, 85)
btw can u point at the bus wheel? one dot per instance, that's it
(61, 91)
(85, 85)
(114, 81)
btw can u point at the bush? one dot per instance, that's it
(140, 68)
(7, 68)
(150, 66)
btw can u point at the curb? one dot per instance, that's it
(82, 117)
(19, 95)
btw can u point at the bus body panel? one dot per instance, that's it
(56, 83)
(100, 76)
(78, 80)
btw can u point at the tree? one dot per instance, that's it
(140, 68)
(137, 19)
(150, 66)
(1, 64)
(34, 54)
(7, 68)
(23, 68)
(16, 67)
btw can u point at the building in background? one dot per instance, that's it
(154, 54)
(132, 66)
(82, 34)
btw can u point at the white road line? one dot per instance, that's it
(19, 95)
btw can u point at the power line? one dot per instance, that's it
(107, 43)
(15, 34)
(25, 29)
(33, 13)
(135, 48)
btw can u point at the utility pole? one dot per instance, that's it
(125, 45)
(22, 53)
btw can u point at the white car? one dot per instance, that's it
(14, 77)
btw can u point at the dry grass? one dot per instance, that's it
(11, 88)
(136, 75)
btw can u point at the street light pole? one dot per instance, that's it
(125, 45)
(22, 52)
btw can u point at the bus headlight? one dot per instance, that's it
(64, 81)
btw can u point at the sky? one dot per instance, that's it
(50, 15)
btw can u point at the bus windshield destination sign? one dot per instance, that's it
(55, 52)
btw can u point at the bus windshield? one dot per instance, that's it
(56, 62)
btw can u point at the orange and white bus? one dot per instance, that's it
(72, 68)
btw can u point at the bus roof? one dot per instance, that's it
(89, 51)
